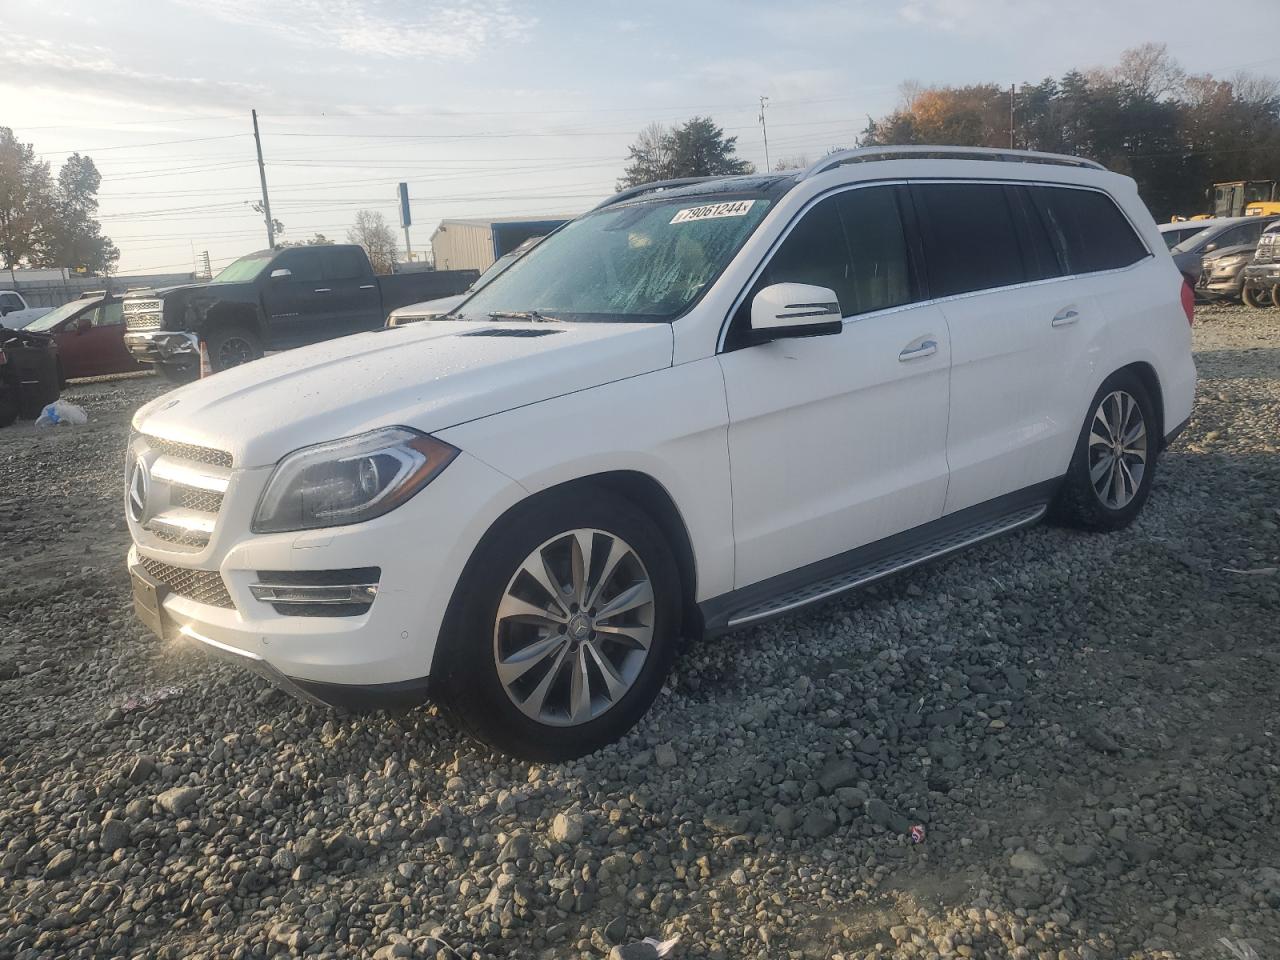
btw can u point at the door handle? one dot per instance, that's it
(324, 290)
(1065, 317)
(366, 286)
(926, 348)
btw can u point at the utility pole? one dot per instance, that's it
(1011, 145)
(262, 175)
(765, 129)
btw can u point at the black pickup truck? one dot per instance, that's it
(272, 300)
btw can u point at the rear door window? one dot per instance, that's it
(1088, 229)
(344, 264)
(970, 237)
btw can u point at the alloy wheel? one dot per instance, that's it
(1118, 449)
(574, 627)
(233, 352)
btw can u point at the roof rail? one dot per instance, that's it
(925, 152)
(656, 187)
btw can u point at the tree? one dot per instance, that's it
(316, 240)
(26, 194)
(73, 236)
(48, 223)
(372, 232)
(1174, 134)
(697, 148)
(651, 158)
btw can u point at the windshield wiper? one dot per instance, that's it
(532, 315)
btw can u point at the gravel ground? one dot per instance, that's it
(1082, 725)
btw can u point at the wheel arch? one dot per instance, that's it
(1146, 373)
(639, 489)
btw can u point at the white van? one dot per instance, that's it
(698, 406)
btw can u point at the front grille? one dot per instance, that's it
(189, 451)
(142, 321)
(193, 498)
(202, 586)
(1267, 250)
(168, 535)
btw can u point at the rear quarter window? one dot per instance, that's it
(1088, 229)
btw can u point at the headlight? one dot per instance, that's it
(1230, 264)
(349, 480)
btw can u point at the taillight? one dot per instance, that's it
(1188, 301)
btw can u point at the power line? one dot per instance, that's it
(139, 146)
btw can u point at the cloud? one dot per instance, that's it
(91, 72)
(457, 30)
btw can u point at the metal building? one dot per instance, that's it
(463, 244)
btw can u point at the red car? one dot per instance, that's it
(90, 336)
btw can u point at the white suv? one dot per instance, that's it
(700, 405)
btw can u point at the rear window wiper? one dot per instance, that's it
(532, 315)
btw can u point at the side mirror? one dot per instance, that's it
(4, 311)
(794, 310)
(1210, 247)
(84, 325)
(281, 273)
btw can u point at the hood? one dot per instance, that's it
(429, 375)
(155, 292)
(1245, 248)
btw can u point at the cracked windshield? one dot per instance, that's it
(640, 263)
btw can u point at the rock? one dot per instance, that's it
(726, 825)
(179, 800)
(8, 669)
(879, 812)
(1080, 855)
(142, 768)
(1100, 740)
(738, 878)
(567, 828)
(819, 825)
(115, 835)
(616, 930)
(634, 951)
(308, 847)
(665, 755)
(517, 848)
(1028, 862)
(838, 773)
(60, 865)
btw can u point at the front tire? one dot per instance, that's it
(562, 628)
(1114, 463)
(230, 346)
(1258, 297)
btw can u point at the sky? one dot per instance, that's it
(502, 107)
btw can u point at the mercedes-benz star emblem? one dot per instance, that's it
(139, 491)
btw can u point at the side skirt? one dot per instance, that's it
(863, 565)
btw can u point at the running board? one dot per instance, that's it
(901, 559)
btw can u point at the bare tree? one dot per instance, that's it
(372, 232)
(1149, 71)
(800, 161)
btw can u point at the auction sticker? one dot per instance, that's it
(733, 208)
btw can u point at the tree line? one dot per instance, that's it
(48, 221)
(1175, 133)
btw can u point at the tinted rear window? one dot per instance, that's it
(971, 241)
(1088, 229)
(344, 264)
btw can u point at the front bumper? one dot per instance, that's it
(380, 656)
(163, 346)
(1262, 276)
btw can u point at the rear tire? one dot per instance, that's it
(556, 676)
(1114, 463)
(1258, 297)
(231, 346)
